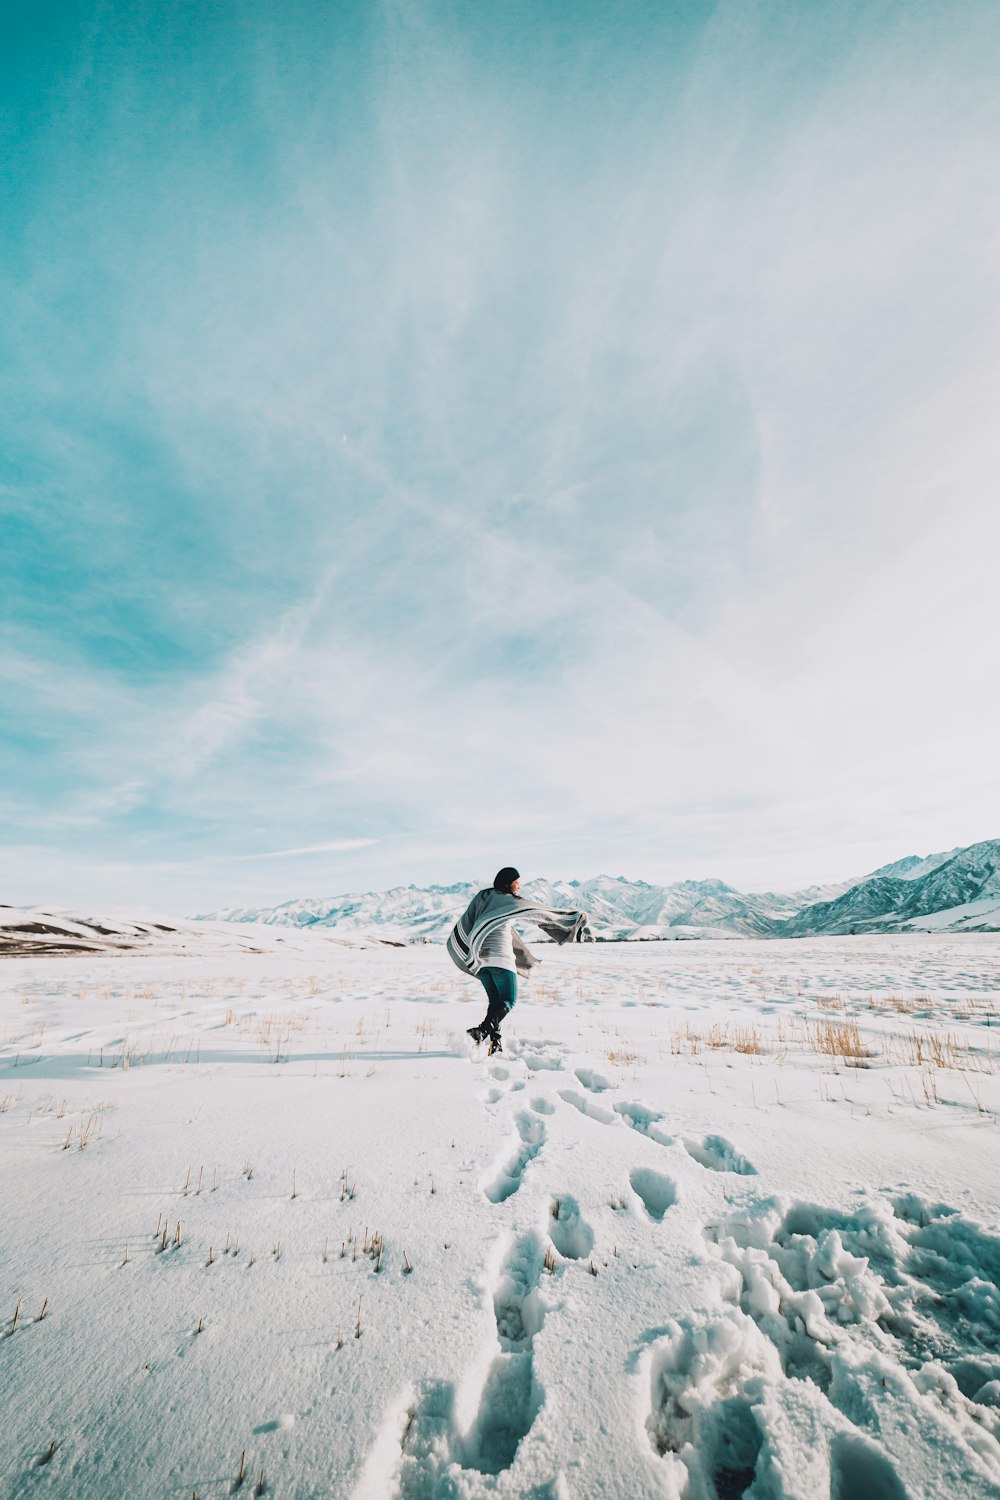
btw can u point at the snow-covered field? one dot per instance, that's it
(724, 1220)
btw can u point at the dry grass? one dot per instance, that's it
(933, 1048)
(746, 1039)
(937, 1049)
(901, 1005)
(687, 1040)
(90, 1128)
(841, 1039)
(721, 1036)
(829, 1002)
(622, 1057)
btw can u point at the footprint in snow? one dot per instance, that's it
(658, 1193)
(503, 1181)
(538, 1057)
(732, 1441)
(588, 1107)
(704, 1377)
(412, 1455)
(717, 1155)
(420, 1453)
(858, 1468)
(569, 1230)
(510, 1399)
(644, 1120)
(595, 1082)
(713, 1152)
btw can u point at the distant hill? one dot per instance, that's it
(954, 892)
(36, 933)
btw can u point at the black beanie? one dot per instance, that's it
(505, 879)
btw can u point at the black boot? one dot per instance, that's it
(495, 1043)
(476, 1033)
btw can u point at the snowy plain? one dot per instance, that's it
(722, 1221)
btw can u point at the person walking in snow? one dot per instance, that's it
(483, 943)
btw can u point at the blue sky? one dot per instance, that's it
(435, 436)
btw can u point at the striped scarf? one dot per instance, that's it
(489, 910)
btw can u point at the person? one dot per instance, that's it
(484, 943)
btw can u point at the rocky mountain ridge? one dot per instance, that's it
(959, 893)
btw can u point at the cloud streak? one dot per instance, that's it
(335, 846)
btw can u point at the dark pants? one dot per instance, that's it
(501, 991)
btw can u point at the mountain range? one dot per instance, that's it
(958, 891)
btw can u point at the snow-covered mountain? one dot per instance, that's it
(912, 867)
(406, 914)
(619, 909)
(957, 891)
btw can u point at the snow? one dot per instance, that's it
(722, 1220)
(969, 916)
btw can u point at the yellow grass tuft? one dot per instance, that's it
(841, 1039)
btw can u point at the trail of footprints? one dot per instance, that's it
(656, 1191)
(803, 1283)
(800, 1286)
(917, 1285)
(712, 1152)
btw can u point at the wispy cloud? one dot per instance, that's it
(336, 846)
